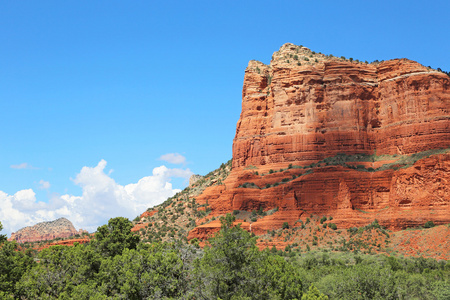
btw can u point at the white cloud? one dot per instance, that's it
(23, 166)
(102, 198)
(173, 158)
(44, 185)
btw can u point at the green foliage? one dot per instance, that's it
(2, 236)
(152, 272)
(429, 224)
(59, 271)
(314, 294)
(285, 225)
(13, 265)
(323, 219)
(232, 267)
(229, 267)
(112, 239)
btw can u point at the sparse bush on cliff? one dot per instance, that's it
(429, 224)
(332, 226)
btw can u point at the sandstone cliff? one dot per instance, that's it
(330, 136)
(60, 228)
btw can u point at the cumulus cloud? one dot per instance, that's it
(102, 198)
(173, 158)
(23, 166)
(44, 185)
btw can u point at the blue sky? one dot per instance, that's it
(94, 93)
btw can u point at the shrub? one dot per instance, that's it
(332, 226)
(323, 219)
(261, 211)
(285, 225)
(429, 224)
(270, 171)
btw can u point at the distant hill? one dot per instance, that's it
(60, 228)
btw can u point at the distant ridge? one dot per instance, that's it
(59, 228)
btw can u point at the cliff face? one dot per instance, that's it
(356, 141)
(60, 228)
(305, 113)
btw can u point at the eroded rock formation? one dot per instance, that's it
(329, 136)
(60, 228)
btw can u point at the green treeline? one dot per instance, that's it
(116, 265)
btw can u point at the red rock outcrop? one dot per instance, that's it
(329, 136)
(60, 228)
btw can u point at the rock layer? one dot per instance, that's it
(305, 113)
(60, 228)
(329, 136)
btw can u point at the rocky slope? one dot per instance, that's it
(329, 136)
(180, 214)
(60, 228)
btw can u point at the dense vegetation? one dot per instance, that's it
(116, 265)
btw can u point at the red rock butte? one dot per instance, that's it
(331, 136)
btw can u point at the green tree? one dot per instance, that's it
(112, 239)
(314, 294)
(152, 272)
(13, 265)
(60, 271)
(2, 236)
(232, 267)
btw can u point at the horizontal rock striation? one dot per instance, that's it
(305, 113)
(324, 135)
